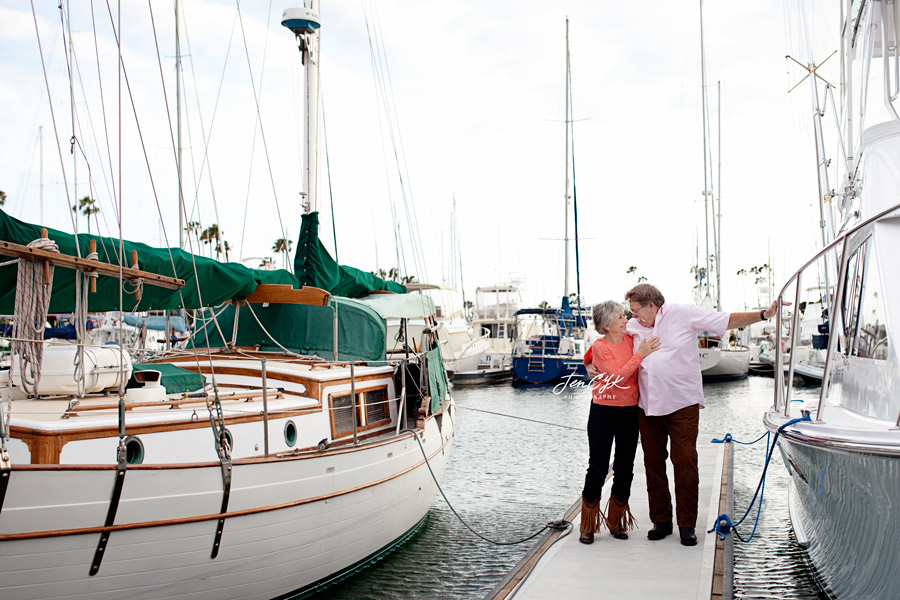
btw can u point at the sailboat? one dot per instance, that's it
(280, 453)
(550, 342)
(720, 360)
(842, 449)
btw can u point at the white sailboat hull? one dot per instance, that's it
(291, 523)
(724, 363)
(843, 501)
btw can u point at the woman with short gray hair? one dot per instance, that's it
(613, 417)
(604, 313)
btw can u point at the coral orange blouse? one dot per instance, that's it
(617, 383)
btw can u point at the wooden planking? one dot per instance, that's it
(723, 566)
(571, 570)
(285, 294)
(83, 264)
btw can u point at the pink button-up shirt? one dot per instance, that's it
(669, 379)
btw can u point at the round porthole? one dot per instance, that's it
(229, 439)
(290, 434)
(134, 450)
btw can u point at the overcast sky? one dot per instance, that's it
(477, 91)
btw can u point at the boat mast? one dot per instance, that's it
(566, 196)
(72, 108)
(706, 190)
(826, 222)
(304, 23)
(178, 129)
(719, 203)
(41, 133)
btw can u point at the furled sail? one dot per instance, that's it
(315, 267)
(208, 282)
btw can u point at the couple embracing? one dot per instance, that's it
(646, 378)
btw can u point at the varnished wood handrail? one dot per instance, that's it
(172, 403)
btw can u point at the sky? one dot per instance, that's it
(474, 116)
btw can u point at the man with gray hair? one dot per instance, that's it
(671, 396)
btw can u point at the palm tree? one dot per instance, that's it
(227, 248)
(2, 197)
(632, 270)
(88, 207)
(266, 263)
(283, 246)
(192, 228)
(209, 235)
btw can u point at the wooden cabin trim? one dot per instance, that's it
(360, 411)
(46, 445)
(268, 293)
(338, 447)
(215, 516)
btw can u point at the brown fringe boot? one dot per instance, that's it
(591, 519)
(619, 518)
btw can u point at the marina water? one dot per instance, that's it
(508, 477)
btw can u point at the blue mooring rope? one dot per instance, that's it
(723, 522)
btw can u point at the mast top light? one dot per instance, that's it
(300, 20)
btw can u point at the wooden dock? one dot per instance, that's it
(559, 566)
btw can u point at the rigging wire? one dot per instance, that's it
(410, 205)
(112, 181)
(165, 234)
(330, 189)
(256, 126)
(205, 165)
(399, 252)
(571, 125)
(262, 131)
(52, 112)
(255, 130)
(388, 105)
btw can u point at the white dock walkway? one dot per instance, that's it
(636, 568)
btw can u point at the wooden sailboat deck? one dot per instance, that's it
(559, 566)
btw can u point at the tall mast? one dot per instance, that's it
(566, 196)
(719, 203)
(304, 23)
(826, 218)
(178, 128)
(41, 132)
(706, 190)
(72, 108)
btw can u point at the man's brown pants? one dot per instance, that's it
(681, 428)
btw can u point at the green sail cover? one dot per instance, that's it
(314, 266)
(213, 283)
(362, 332)
(437, 379)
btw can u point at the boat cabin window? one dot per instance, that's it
(864, 313)
(377, 410)
(342, 414)
(371, 403)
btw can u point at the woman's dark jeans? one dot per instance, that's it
(605, 424)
